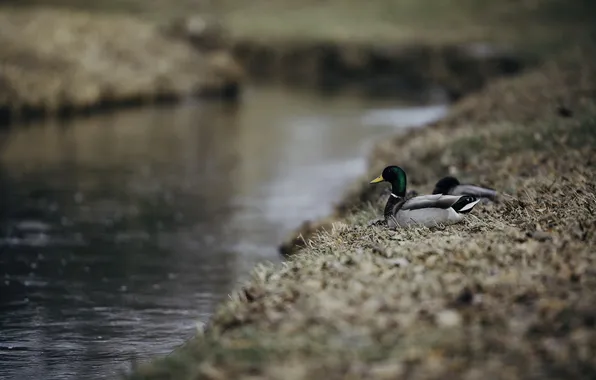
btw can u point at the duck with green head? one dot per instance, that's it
(426, 210)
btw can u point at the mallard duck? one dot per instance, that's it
(451, 186)
(426, 210)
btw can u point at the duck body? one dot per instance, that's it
(428, 210)
(424, 210)
(452, 186)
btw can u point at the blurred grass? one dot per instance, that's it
(551, 135)
(537, 24)
(60, 62)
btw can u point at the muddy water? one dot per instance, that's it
(119, 232)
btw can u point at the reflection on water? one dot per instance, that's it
(119, 232)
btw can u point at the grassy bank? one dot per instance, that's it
(381, 47)
(61, 61)
(507, 294)
(425, 21)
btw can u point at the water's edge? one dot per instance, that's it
(113, 245)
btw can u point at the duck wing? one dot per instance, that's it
(476, 191)
(431, 201)
(459, 203)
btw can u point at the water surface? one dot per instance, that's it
(119, 232)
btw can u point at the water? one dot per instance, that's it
(119, 232)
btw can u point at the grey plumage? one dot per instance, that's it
(452, 186)
(427, 210)
(430, 210)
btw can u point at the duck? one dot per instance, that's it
(426, 210)
(451, 186)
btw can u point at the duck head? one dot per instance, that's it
(445, 184)
(396, 176)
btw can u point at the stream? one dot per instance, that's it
(119, 232)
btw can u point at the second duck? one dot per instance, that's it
(426, 210)
(452, 186)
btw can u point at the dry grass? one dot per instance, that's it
(56, 58)
(509, 293)
(423, 41)
(428, 22)
(519, 115)
(435, 22)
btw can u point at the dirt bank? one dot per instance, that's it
(59, 61)
(507, 294)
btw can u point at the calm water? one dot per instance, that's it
(119, 232)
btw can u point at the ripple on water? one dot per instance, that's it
(119, 232)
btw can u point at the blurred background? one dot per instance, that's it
(153, 152)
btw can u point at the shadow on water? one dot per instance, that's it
(119, 232)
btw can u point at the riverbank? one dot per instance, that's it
(509, 293)
(394, 47)
(389, 48)
(59, 62)
(385, 48)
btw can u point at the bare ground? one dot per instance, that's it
(509, 293)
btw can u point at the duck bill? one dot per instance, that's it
(378, 179)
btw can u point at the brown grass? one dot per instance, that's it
(405, 45)
(53, 59)
(509, 293)
(435, 22)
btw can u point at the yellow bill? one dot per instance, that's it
(378, 179)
